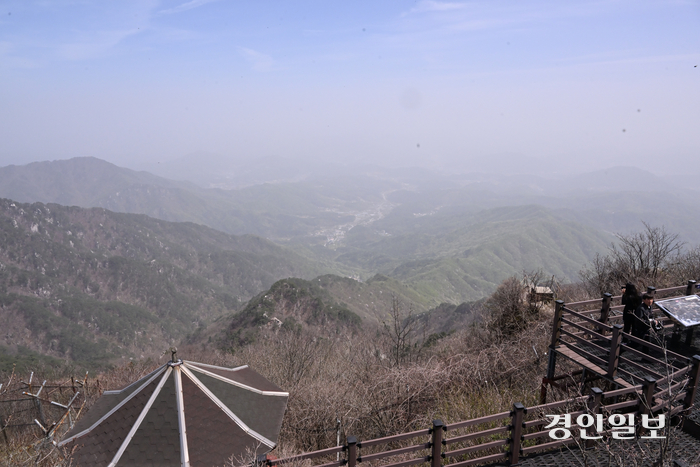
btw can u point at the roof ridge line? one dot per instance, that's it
(236, 383)
(155, 374)
(235, 368)
(226, 410)
(181, 421)
(127, 387)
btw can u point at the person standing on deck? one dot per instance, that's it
(644, 319)
(631, 299)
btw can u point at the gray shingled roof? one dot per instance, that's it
(183, 413)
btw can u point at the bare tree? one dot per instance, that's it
(601, 276)
(644, 258)
(509, 312)
(401, 331)
(643, 254)
(685, 265)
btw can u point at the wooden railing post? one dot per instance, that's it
(647, 402)
(556, 335)
(352, 451)
(689, 334)
(543, 390)
(648, 390)
(605, 311)
(690, 290)
(556, 323)
(436, 448)
(516, 432)
(594, 408)
(693, 383)
(614, 358)
(596, 401)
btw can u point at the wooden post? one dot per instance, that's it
(614, 358)
(436, 451)
(693, 383)
(689, 336)
(648, 390)
(516, 432)
(647, 402)
(543, 391)
(605, 310)
(594, 405)
(556, 334)
(583, 381)
(352, 451)
(690, 290)
(556, 323)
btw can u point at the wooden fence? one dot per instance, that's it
(27, 406)
(665, 385)
(597, 346)
(504, 437)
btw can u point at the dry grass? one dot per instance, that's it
(465, 375)
(353, 378)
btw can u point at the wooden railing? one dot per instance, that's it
(591, 336)
(506, 436)
(502, 437)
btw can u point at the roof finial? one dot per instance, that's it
(173, 353)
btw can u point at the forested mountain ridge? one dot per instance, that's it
(330, 305)
(455, 256)
(90, 284)
(270, 210)
(451, 242)
(82, 181)
(451, 238)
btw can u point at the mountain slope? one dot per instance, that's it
(453, 257)
(328, 304)
(451, 238)
(90, 284)
(270, 210)
(82, 181)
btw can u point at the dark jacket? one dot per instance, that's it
(631, 302)
(642, 323)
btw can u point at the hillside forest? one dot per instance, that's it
(380, 300)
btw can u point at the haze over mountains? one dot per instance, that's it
(375, 219)
(86, 284)
(284, 204)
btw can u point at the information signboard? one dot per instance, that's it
(683, 310)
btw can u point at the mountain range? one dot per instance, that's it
(99, 262)
(90, 285)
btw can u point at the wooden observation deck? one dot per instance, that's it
(589, 334)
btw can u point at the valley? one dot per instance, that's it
(335, 235)
(99, 263)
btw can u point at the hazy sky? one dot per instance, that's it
(557, 84)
